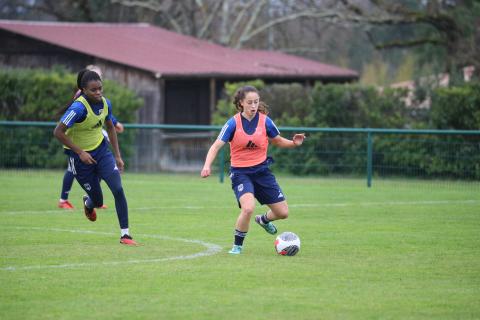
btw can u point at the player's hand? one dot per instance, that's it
(298, 139)
(205, 172)
(119, 127)
(120, 164)
(86, 158)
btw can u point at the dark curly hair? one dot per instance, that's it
(240, 95)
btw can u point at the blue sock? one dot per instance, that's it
(67, 184)
(265, 219)
(239, 237)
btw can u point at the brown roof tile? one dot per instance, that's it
(170, 54)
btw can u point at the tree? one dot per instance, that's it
(350, 33)
(445, 31)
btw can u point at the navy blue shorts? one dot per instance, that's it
(89, 175)
(262, 184)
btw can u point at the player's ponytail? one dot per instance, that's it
(263, 108)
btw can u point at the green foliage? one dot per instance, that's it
(33, 95)
(39, 95)
(225, 107)
(288, 104)
(456, 107)
(359, 106)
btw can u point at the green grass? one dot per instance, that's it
(399, 250)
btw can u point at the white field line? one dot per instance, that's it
(386, 203)
(295, 205)
(211, 249)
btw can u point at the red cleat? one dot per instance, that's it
(65, 205)
(103, 207)
(90, 213)
(127, 240)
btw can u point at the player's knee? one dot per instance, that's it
(248, 210)
(282, 213)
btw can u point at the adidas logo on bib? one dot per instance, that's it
(251, 145)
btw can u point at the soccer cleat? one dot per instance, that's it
(65, 205)
(103, 207)
(235, 249)
(127, 240)
(269, 227)
(90, 213)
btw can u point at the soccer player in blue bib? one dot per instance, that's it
(90, 159)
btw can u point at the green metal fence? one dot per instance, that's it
(340, 152)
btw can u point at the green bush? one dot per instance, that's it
(225, 108)
(39, 95)
(456, 107)
(357, 106)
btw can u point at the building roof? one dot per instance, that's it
(170, 54)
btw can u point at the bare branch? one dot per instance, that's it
(253, 18)
(153, 6)
(237, 21)
(209, 19)
(150, 5)
(301, 50)
(304, 14)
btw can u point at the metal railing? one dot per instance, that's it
(471, 138)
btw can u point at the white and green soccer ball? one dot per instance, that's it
(287, 244)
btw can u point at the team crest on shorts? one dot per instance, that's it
(240, 187)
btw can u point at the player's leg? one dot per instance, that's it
(278, 210)
(108, 172)
(268, 192)
(247, 206)
(243, 189)
(104, 206)
(66, 187)
(88, 180)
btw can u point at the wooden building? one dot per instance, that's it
(166, 69)
(179, 77)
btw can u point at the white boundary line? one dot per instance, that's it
(387, 203)
(304, 205)
(211, 249)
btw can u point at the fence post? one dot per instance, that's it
(369, 158)
(221, 165)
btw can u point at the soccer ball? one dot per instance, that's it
(287, 244)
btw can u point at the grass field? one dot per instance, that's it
(399, 250)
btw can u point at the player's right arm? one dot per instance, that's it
(211, 155)
(226, 134)
(75, 113)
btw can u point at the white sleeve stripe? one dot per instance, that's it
(222, 133)
(69, 117)
(278, 131)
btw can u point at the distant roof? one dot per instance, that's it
(171, 54)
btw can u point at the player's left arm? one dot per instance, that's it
(117, 124)
(282, 142)
(279, 141)
(112, 136)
